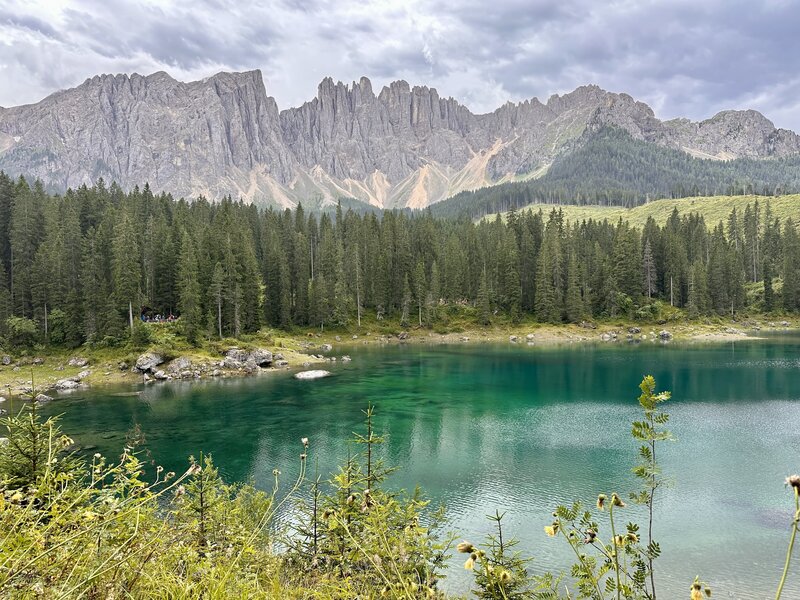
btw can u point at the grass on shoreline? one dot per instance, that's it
(455, 324)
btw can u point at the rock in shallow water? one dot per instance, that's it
(315, 374)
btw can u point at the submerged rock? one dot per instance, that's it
(42, 398)
(315, 374)
(326, 347)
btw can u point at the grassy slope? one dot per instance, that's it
(713, 208)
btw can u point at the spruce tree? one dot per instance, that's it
(484, 306)
(189, 291)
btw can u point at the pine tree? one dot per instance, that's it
(547, 311)
(126, 268)
(484, 306)
(189, 291)
(216, 292)
(420, 290)
(769, 293)
(649, 270)
(406, 304)
(573, 303)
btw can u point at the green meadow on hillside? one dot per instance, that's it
(713, 208)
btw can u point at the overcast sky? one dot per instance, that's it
(683, 57)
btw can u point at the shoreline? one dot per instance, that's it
(300, 350)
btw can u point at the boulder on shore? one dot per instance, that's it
(315, 374)
(6, 360)
(237, 355)
(665, 335)
(148, 361)
(179, 364)
(261, 357)
(77, 361)
(326, 347)
(66, 384)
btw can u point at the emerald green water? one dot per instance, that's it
(519, 429)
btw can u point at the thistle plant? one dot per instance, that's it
(501, 572)
(619, 565)
(650, 430)
(793, 481)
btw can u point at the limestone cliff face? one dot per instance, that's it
(207, 136)
(404, 146)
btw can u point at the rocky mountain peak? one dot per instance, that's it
(405, 146)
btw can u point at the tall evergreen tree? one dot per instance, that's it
(189, 301)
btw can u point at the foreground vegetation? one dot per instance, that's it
(91, 527)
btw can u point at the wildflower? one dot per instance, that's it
(180, 491)
(303, 456)
(707, 591)
(170, 475)
(17, 497)
(794, 481)
(275, 472)
(617, 501)
(470, 564)
(591, 534)
(632, 538)
(505, 576)
(350, 499)
(327, 514)
(465, 548)
(601, 501)
(97, 455)
(696, 593)
(552, 530)
(159, 469)
(304, 441)
(620, 540)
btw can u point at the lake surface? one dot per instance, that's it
(519, 429)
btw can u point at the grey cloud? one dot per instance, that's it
(685, 57)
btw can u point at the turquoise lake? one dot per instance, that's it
(518, 429)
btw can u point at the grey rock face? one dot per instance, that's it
(147, 362)
(261, 357)
(404, 146)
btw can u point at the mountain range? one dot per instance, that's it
(402, 147)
